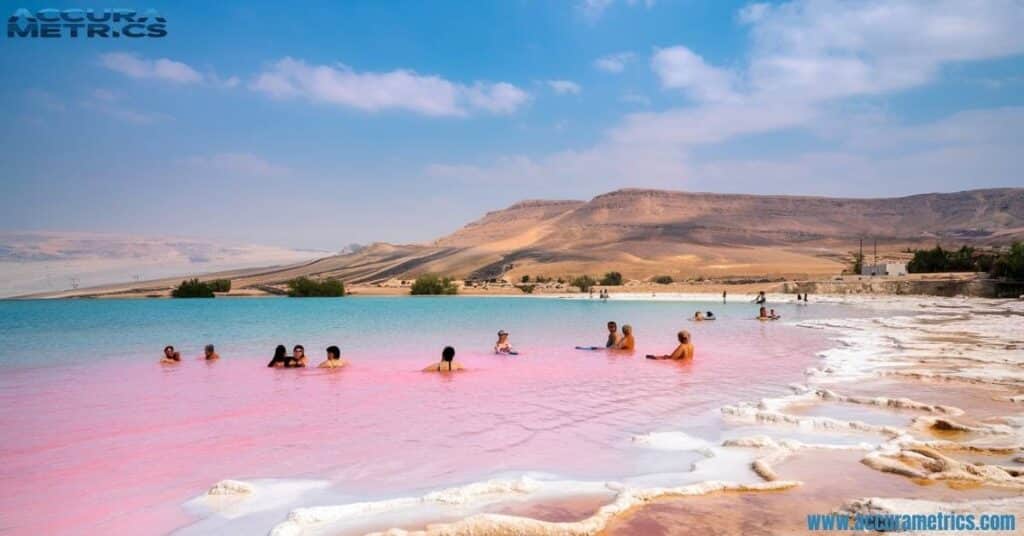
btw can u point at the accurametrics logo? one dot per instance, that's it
(88, 23)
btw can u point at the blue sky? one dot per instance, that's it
(336, 122)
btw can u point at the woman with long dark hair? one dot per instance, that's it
(280, 359)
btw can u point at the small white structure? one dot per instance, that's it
(884, 268)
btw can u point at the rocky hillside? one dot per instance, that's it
(643, 233)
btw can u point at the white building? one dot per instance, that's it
(884, 268)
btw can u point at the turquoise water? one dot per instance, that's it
(42, 333)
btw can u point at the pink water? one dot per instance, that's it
(119, 446)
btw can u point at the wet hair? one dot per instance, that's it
(209, 348)
(612, 324)
(684, 336)
(333, 352)
(627, 328)
(299, 347)
(280, 355)
(709, 313)
(168, 347)
(448, 354)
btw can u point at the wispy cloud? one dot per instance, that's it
(399, 89)
(246, 164)
(614, 63)
(136, 66)
(679, 68)
(564, 87)
(594, 9)
(111, 104)
(802, 66)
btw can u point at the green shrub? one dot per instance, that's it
(663, 280)
(524, 279)
(527, 289)
(940, 260)
(541, 279)
(431, 284)
(583, 282)
(220, 285)
(611, 279)
(1010, 264)
(857, 263)
(304, 287)
(193, 288)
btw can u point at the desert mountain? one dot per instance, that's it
(643, 233)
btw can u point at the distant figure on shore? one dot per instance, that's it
(683, 351)
(723, 296)
(334, 359)
(761, 299)
(281, 358)
(447, 362)
(210, 354)
(698, 316)
(171, 356)
(709, 316)
(627, 342)
(298, 356)
(604, 295)
(591, 293)
(503, 346)
(613, 335)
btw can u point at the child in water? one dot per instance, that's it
(503, 346)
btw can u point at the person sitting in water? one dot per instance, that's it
(762, 313)
(334, 359)
(447, 362)
(170, 355)
(210, 354)
(683, 351)
(503, 346)
(773, 315)
(627, 342)
(698, 316)
(613, 335)
(709, 316)
(298, 356)
(281, 358)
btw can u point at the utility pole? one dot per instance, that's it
(876, 257)
(860, 255)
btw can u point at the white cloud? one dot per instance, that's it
(806, 60)
(679, 68)
(238, 164)
(135, 66)
(400, 89)
(614, 63)
(564, 87)
(829, 49)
